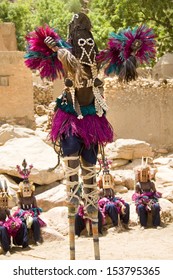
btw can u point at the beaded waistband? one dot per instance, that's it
(68, 108)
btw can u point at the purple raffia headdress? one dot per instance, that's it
(40, 57)
(25, 172)
(125, 49)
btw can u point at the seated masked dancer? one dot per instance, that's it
(10, 227)
(82, 222)
(28, 211)
(116, 208)
(146, 197)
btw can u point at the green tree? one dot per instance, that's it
(18, 13)
(52, 13)
(121, 14)
(29, 14)
(4, 6)
(105, 15)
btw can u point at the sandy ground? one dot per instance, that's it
(134, 244)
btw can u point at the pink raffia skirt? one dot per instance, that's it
(92, 128)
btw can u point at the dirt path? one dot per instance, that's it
(134, 244)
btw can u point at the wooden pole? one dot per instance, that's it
(71, 217)
(96, 240)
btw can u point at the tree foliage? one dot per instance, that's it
(105, 15)
(29, 14)
(157, 14)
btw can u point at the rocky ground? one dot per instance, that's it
(18, 143)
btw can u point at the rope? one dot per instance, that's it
(69, 170)
(58, 150)
(91, 173)
(71, 192)
(91, 198)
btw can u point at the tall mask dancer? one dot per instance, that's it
(79, 121)
(79, 124)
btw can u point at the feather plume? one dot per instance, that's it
(140, 41)
(40, 57)
(126, 49)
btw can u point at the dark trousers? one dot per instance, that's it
(80, 224)
(143, 214)
(112, 212)
(21, 237)
(73, 144)
(36, 229)
(4, 239)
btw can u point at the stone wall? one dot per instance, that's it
(45, 91)
(141, 110)
(16, 90)
(43, 94)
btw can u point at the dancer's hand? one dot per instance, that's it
(50, 42)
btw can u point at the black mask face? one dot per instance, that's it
(81, 39)
(79, 21)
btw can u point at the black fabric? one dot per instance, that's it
(73, 144)
(80, 224)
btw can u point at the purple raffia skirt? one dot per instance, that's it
(92, 128)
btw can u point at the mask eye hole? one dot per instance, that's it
(90, 41)
(81, 42)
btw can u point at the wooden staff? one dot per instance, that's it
(96, 238)
(71, 218)
(91, 199)
(71, 194)
(71, 222)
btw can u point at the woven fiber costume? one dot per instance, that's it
(146, 197)
(79, 123)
